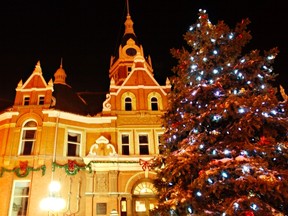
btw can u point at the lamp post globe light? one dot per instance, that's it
(54, 202)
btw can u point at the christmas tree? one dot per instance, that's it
(225, 144)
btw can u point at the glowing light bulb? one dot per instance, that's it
(54, 186)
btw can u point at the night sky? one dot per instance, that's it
(86, 33)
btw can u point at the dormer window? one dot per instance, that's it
(128, 104)
(154, 101)
(41, 100)
(154, 104)
(128, 101)
(26, 100)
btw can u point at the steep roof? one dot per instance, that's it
(69, 101)
(66, 99)
(94, 101)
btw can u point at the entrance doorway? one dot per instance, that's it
(144, 198)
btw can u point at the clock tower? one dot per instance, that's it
(121, 63)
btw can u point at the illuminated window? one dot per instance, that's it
(123, 205)
(128, 104)
(28, 138)
(140, 206)
(144, 196)
(19, 198)
(41, 100)
(143, 144)
(74, 143)
(145, 188)
(26, 100)
(125, 144)
(154, 103)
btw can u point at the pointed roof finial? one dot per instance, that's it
(60, 75)
(38, 68)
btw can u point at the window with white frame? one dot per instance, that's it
(26, 100)
(20, 197)
(128, 104)
(41, 100)
(128, 101)
(125, 144)
(28, 138)
(154, 104)
(154, 100)
(143, 144)
(73, 144)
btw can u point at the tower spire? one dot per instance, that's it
(61, 63)
(127, 3)
(128, 23)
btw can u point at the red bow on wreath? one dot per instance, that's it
(264, 141)
(145, 164)
(71, 165)
(23, 165)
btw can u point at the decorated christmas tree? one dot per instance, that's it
(225, 144)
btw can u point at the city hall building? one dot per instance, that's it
(88, 154)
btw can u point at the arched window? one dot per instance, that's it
(154, 101)
(128, 101)
(154, 104)
(28, 138)
(145, 188)
(128, 104)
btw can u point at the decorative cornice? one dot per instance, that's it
(79, 118)
(131, 163)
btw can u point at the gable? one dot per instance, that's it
(140, 77)
(35, 81)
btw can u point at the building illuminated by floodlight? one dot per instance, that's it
(98, 155)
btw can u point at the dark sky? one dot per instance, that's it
(86, 33)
